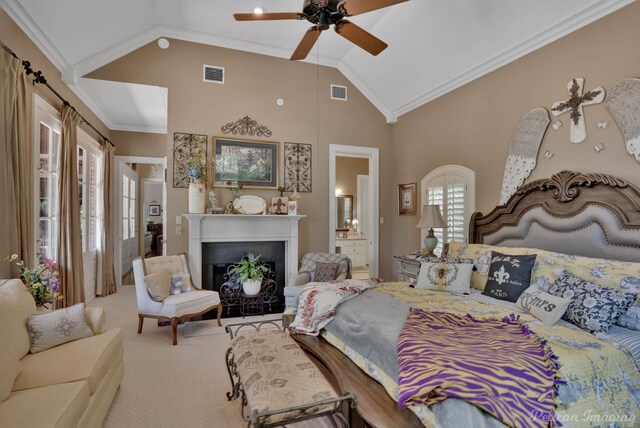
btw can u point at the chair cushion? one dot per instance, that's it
(192, 302)
(15, 306)
(325, 272)
(10, 370)
(85, 359)
(49, 329)
(50, 406)
(158, 284)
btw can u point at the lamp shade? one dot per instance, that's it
(431, 217)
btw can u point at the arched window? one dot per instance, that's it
(453, 187)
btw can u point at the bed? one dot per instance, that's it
(590, 215)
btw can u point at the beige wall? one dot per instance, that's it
(473, 125)
(347, 170)
(252, 85)
(12, 36)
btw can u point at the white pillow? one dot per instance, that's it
(544, 306)
(49, 329)
(452, 275)
(180, 283)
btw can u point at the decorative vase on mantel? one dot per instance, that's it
(197, 197)
(251, 287)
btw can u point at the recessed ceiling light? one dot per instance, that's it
(258, 10)
(163, 43)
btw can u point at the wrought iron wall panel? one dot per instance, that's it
(185, 147)
(297, 167)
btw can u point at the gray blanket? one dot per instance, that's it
(359, 325)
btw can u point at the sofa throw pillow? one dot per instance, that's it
(544, 306)
(158, 284)
(54, 328)
(11, 368)
(325, 272)
(508, 276)
(593, 307)
(180, 283)
(452, 275)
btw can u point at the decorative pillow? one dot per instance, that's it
(481, 255)
(452, 275)
(544, 306)
(593, 307)
(158, 285)
(180, 283)
(325, 272)
(54, 328)
(11, 368)
(509, 276)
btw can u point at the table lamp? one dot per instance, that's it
(431, 217)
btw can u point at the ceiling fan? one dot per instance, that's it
(325, 13)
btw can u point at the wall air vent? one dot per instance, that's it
(213, 74)
(339, 92)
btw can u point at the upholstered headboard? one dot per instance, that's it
(593, 215)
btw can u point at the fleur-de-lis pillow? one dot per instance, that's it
(452, 275)
(509, 276)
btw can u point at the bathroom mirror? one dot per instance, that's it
(344, 211)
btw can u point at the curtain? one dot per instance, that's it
(106, 274)
(16, 165)
(69, 237)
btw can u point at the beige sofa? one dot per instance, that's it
(66, 386)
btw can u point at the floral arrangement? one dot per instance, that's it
(235, 190)
(196, 168)
(42, 281)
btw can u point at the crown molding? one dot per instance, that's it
(135, 128)
(551, 34)
(21, 17)
(356, 81)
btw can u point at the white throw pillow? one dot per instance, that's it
(49, 329)
(181, 283)
(452, 275)
(158, 284)
(544, 306)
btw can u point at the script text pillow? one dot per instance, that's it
(509, 276)
(544, 306)
(452, 275)
(593, 307)
(54, 328)
(158, 284)
(325, 272)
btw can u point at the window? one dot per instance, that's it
(89, 189)
(128, 208)
(47, 145)
(453, 188)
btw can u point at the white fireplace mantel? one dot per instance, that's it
(242, 228)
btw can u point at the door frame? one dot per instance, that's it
(118, 200)
(372, 154)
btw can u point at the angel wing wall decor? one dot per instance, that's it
(623, 102)
(523, 151)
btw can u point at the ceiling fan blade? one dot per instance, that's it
(357, 7)
(267, 16)
(360, 37)
(307, 42)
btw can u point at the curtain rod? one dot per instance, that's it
(39, 78)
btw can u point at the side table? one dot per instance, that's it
(251, 304)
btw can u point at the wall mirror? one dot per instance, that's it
(344, 211)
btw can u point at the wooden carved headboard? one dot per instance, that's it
(592, 215)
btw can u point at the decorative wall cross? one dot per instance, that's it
(577, 100)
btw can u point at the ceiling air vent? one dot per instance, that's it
(213, 74)
(339, 92)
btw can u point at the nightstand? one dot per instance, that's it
(406, 269)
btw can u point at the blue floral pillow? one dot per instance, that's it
(593, 307)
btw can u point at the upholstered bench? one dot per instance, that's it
(277, 380)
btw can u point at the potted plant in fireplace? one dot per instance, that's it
(250, 271)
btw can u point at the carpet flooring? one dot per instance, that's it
(173, 386)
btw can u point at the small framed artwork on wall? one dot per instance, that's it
(407, 198)
(154, 210)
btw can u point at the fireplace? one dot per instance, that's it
(217, 257)
(217, 240)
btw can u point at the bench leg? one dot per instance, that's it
(231, 369)
(140, 322)
(174, 330)
(219, 314)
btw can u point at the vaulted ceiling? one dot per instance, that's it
(435, 46)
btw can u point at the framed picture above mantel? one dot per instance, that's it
(253, 164)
